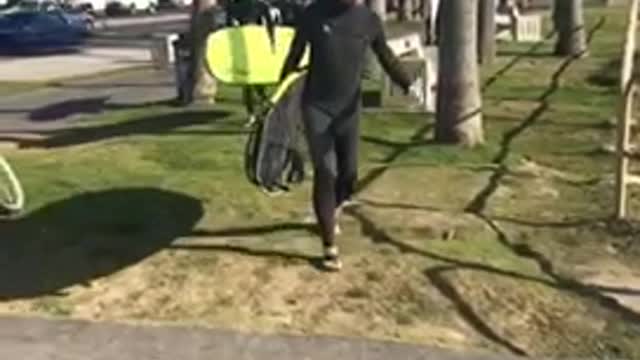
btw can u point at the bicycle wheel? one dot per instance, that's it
(11, 193)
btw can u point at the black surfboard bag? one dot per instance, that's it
(275, 148)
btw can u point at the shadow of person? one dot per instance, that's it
(65, 109)
(145, 125)
(79, 239)
(85, 106)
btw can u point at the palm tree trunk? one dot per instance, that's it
(203, 84)
(459, 105)
(568, 20)
(404, 9)
(487, 32)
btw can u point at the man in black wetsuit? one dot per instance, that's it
(338, 32)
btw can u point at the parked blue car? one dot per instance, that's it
(48, 29)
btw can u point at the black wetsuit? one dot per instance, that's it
(338, 34)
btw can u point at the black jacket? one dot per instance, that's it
(338, 35)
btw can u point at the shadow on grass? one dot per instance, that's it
(110, 85)
(398, 206)
(84, 105)
(532, 52)
(69, 108)
(592, 292)
(546, 266)
(476, 206)
(517, 58)
(255, 230)
(156, 124)
(378, 235)
(76, 240)
(479, 202)
(398, 149)
(251, 231)
(95, 105)
(609, 74)
(548, 224)
(465, 310)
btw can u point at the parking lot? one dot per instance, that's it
(113, 43)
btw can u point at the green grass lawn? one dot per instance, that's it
(145, 215)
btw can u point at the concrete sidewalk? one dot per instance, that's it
(39, 339)
(103, 53)
(114, 23)
(62, 106)
(87, 61)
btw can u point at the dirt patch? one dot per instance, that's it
(265, 282)
(532, 319)
(614, 280)
(393, 287)
(420, 225)
(270, 295)
(532, 169)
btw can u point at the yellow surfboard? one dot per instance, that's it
(244, 55)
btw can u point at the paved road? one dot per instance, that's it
(136, 31)
(37, 339)
(84, 62)
(135, 36)
(40, 112)
(126, 42)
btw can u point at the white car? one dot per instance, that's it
(110, 7)
(132, 6)
(179, 3)
(94, 6)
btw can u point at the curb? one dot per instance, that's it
(48, 339)
(105, 24)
